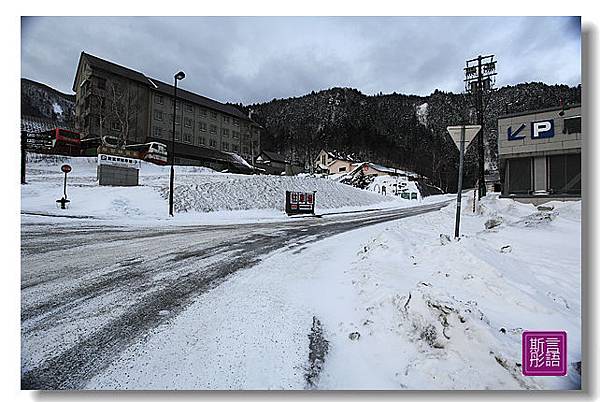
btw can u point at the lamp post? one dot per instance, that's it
(179, 76)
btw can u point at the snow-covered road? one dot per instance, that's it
(89, 292)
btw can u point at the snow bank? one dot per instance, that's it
(389, 183)
(203, 194)
(237, 192)
(399, 309)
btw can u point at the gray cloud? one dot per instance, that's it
(247, 59)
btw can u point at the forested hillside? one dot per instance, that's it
(404, 130)
(39, 100)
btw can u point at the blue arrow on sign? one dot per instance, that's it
(515, 136)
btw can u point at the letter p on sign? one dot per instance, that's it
(542, 129)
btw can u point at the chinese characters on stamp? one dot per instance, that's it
(544, 353)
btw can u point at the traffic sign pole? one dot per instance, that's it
(460, 181)
(63, 201)
(462, 137)
(65, 186)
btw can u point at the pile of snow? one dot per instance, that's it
(396, 307)
(387, 185)
(238, 192)
(198, 190)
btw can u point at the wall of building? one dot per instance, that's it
(339, 164)
(539, 155)
(152, 115)
(199, 126)
(368, 170)
(99, 94)
(525, 144)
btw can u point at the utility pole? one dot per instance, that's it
(480, 76)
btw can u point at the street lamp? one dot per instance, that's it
(179, 76)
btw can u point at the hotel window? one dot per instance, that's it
(101, 83)
(235, 134)
(235, 148)
(225, 132)
(572, 125)
(213, 115)
(213, 143)
(158, 132)
(189, 107)
(158, 99)
(187, 137)
(177, 120)
(236, 122)
(202, 126)
(203, 112)
(225, 146)
(226, 119)
(158, 115)
(177, 135)
(213, 129)
(187, 122)
(201, 140)
(176, 107)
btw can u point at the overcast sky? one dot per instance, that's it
(257, 59)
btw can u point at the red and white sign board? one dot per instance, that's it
(299, 202)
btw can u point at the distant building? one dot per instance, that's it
(332, 162)
(540, 154)
(271, 162)
(139, 109)
(274, 163)
(368, 169)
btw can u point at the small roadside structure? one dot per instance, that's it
(277, 164)
(115, 170)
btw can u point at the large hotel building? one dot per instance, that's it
(140, 109)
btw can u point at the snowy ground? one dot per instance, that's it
(371, 300)
(201, 194)
(399, 307)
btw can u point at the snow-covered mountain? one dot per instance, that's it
(41, 101)
(408, 131)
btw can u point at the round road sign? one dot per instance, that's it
(65, 168)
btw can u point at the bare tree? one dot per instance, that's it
(124, 108)
(101, 111)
